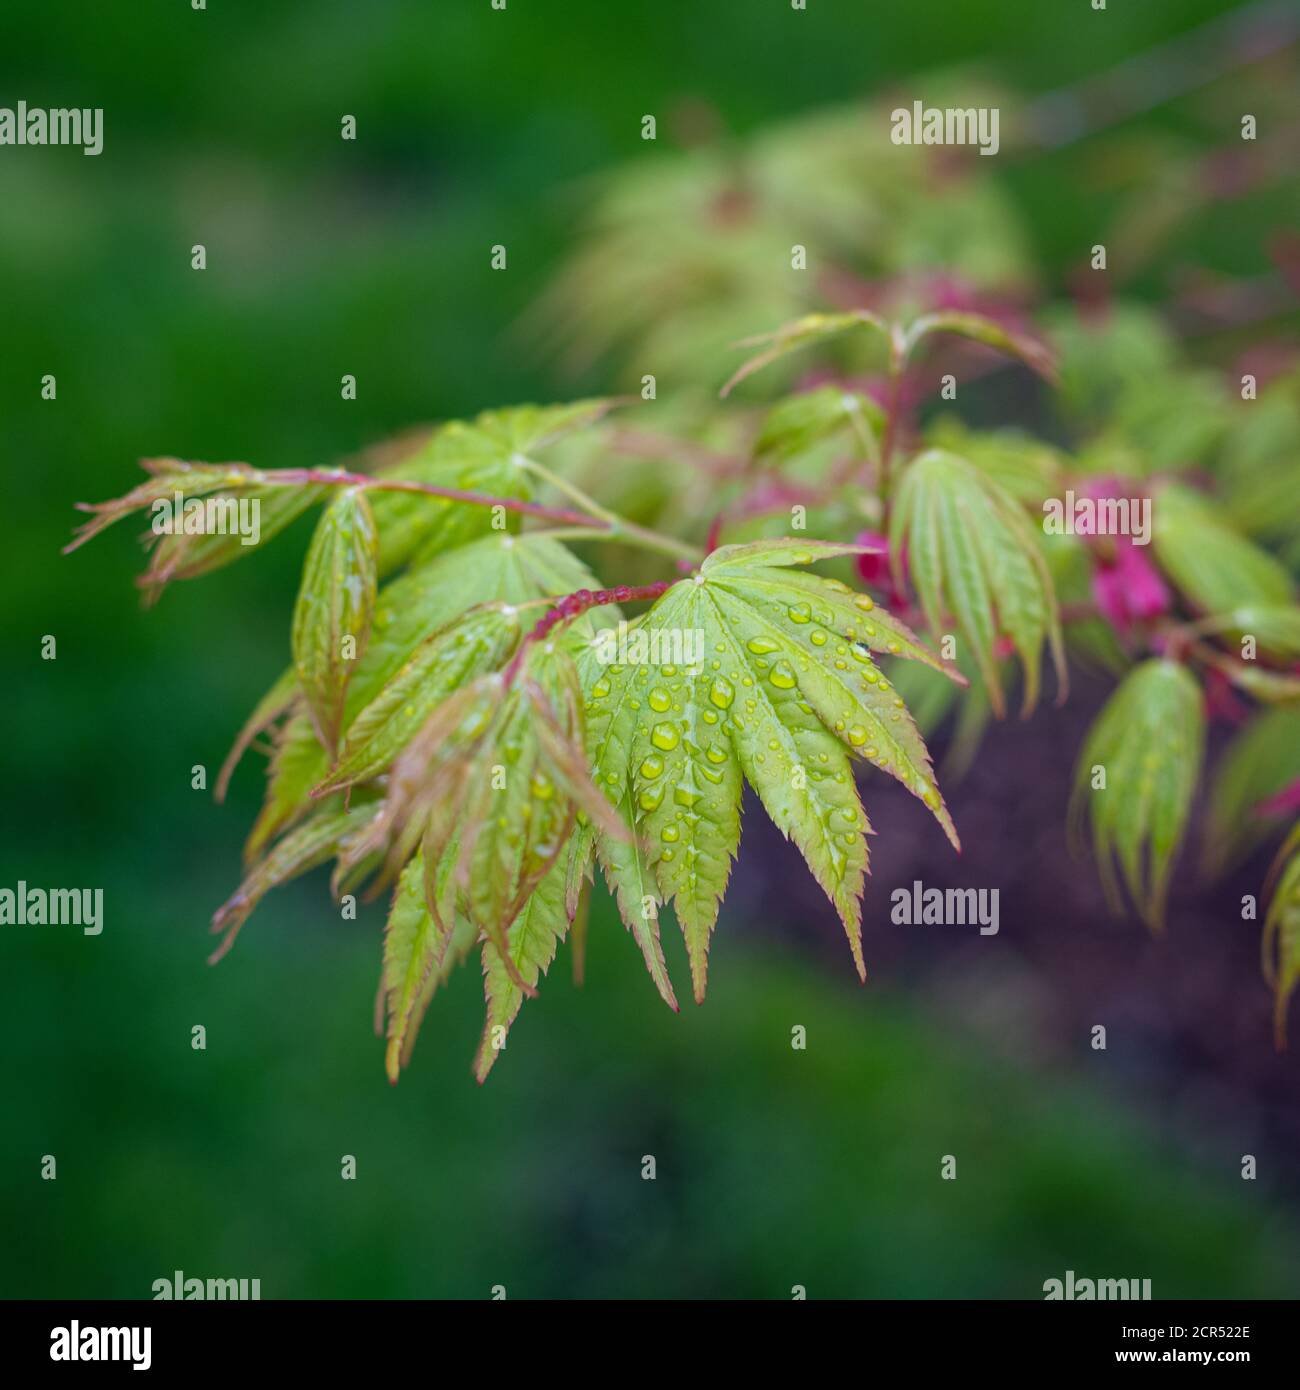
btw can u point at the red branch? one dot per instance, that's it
(575, 604)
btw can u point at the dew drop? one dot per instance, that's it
(721, 693)
(664, 736)
(782, 676)
(800, 612)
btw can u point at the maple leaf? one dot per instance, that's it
(784, 693)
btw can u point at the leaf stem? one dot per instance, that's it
(600, 523)
(571, 490)
(893, 409)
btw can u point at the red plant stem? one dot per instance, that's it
(575, 604)
(893, 409)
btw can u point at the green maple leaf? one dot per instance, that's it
(320, 838)
(1150, 740)
(488, 455)
(419, 954)
(512, 969)
(802, 421)
(1214, 565)
(331, 620)
(971, 553)
(491, 781)
(609, 721)
(784, 693)
(505, 569)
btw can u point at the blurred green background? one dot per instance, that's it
(325, 257)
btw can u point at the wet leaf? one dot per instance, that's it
(331, 621)
(418, 957)
(315, 842)
(783, 693)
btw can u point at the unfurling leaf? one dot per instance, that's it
(987, 331)
(496, 770)
(507, 569)
(1281, 939)
(973, 557)
(277, 701)
(418, 957)
(167, 478)
(512, 967)
(313, 843)
(453, 657)
(811, 328)
(180, 555)
(331, 621)
(1149, 739)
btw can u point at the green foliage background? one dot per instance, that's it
(775, 1168)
